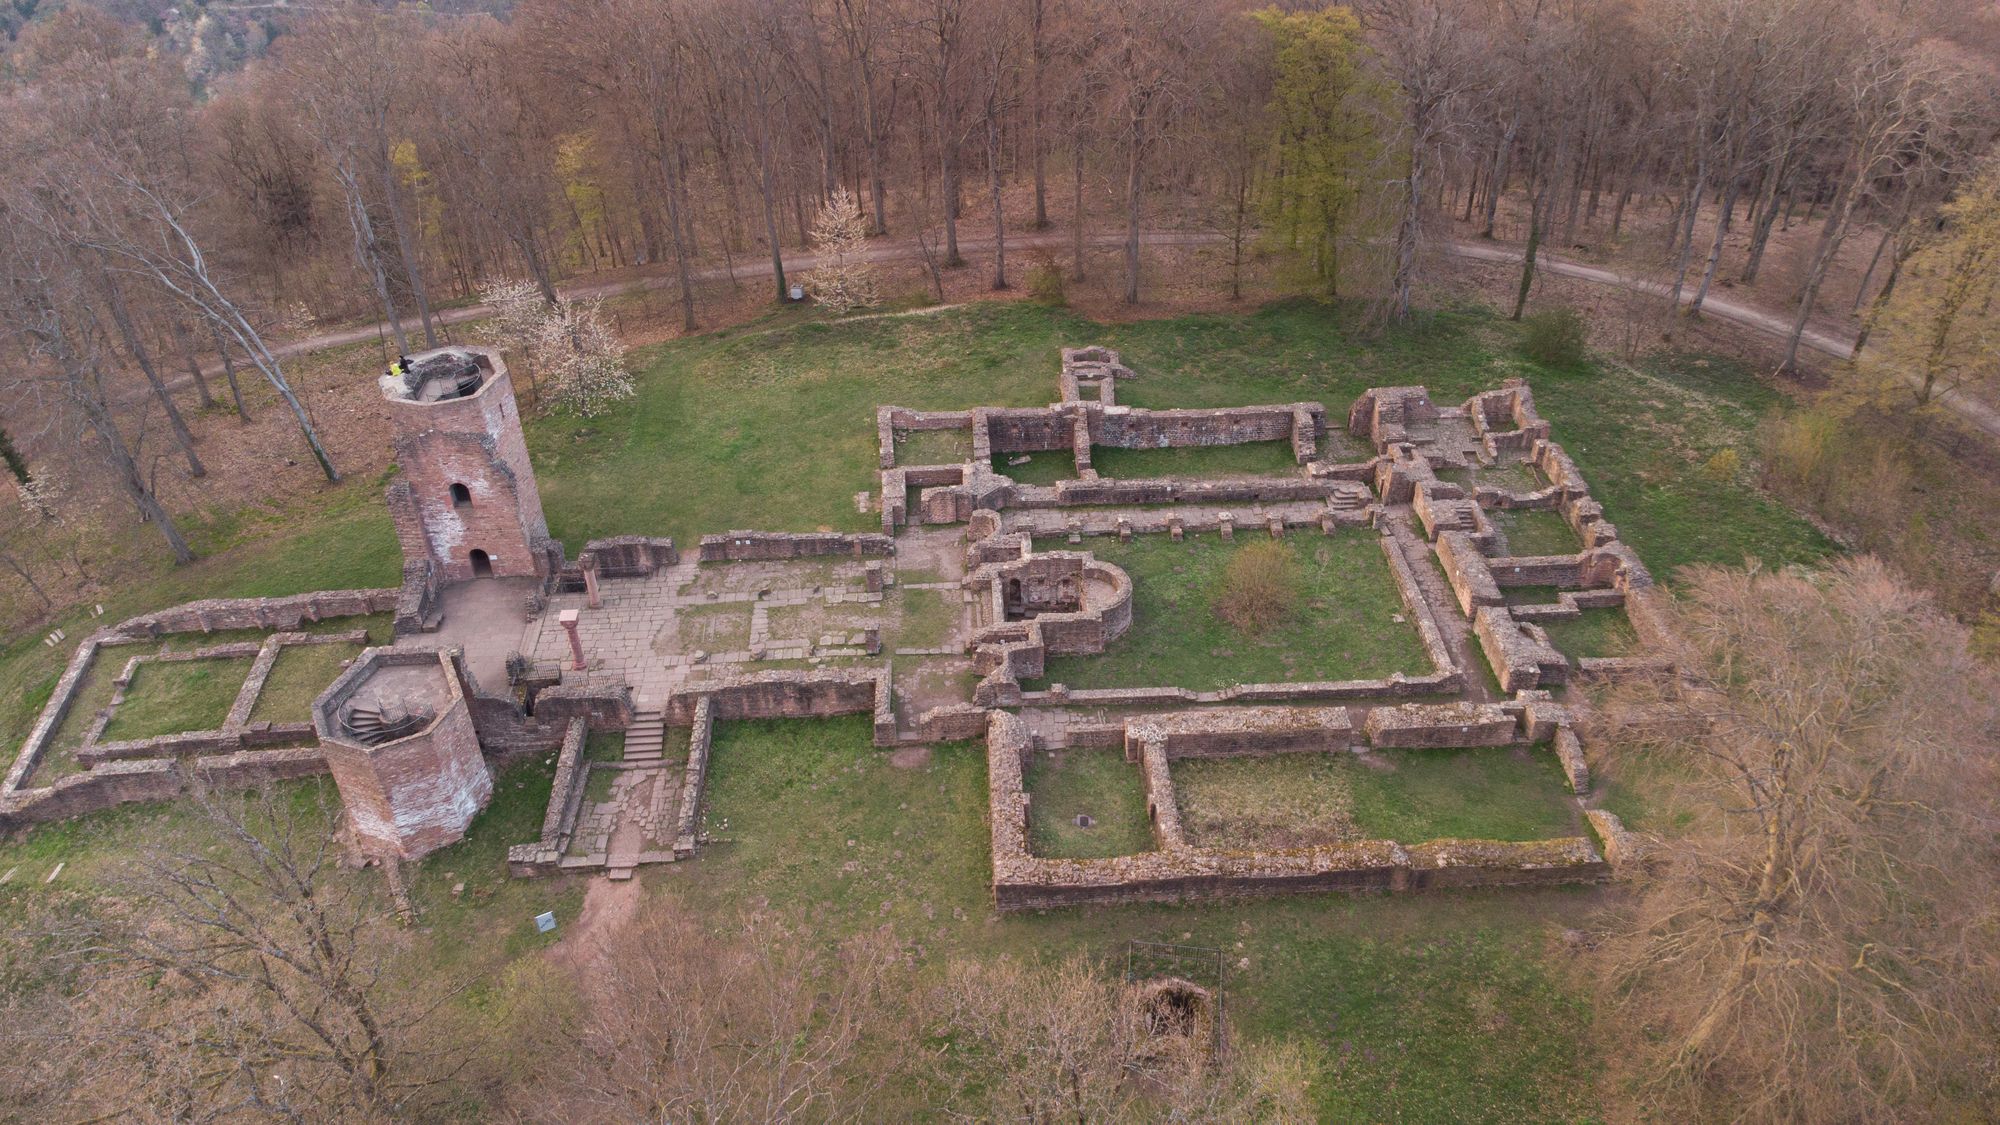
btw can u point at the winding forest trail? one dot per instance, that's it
(1838, 346)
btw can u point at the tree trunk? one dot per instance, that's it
(1684, 234)
(1134, 181)
(1076, 210)
(1503, 157)
(767, 184)
(1715, 250)
(406, 248)
(948, 188)
(229, 371)
(136, 347)
(1881, 302)
(1041, 148)
(368, 251)
(1528, 254)
(1861, 291)
(1760, 236)
(129, 477)
(1829, 245)
(999, 219)
(1409, 227)
(185, 345)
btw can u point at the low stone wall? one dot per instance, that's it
(1520, 653)
(1241, 731)
(751, 546)
(1441, 725)
(1397, 686)
(215, 614)
(1538, 570)
(1176, 871)
(788, 694)
(155, 779)
(1419, 608)
(1163, 807)
(1132, 428)
(694, 781)
(889, 419)
(1368, 865)
(1569, 751)
(1466, 570)
(418, 609)
(1026, 429)
(626, 556)
(56, 709)
(507, 733)
(1171, 490)
(543, 856)
(953, 722)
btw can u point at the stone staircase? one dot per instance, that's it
(645, 738)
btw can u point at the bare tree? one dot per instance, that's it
(284, 996)
(1817, 943)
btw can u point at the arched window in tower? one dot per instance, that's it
(461, 496)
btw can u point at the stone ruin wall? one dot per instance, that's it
(1177, 872)
(761, 546)
(204, 616)
(280, 614)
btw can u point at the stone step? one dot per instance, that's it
(619, 874)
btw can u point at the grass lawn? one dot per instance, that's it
(1099, 784)
(928, 618)
(1433, 1007)
(722, 627)
(1280, 801)
(933, 447)
(181, 696)
(300, 674)
(1251, 458)
(1410, 796)
(1488, 793)
(1045, 467)
(1514, 476)
(1345, 626)
(1535, 532)
(1604, 631)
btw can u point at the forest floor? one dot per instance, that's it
(1451, 1006)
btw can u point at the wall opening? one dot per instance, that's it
(482, 564)
(461, 496)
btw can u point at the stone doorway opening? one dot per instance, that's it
(482, 564)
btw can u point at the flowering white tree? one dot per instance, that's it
(843, 279)
(580, 359)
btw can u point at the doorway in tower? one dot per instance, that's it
(482, 564)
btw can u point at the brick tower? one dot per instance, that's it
(399, 740)
(466, 499)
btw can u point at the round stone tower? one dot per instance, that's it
(466, 497)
